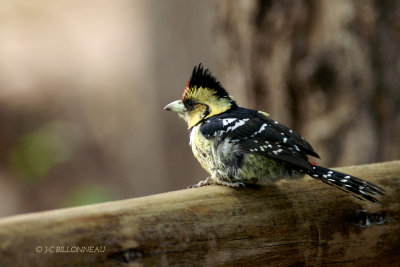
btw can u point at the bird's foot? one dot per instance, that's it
(230, 184)
(210, 181)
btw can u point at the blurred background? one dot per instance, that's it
(83, 85)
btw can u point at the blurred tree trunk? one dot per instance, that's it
(329, 69)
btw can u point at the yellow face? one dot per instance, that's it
(198, 104)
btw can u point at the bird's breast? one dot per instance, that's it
(201, 147)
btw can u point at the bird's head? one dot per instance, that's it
(202, 98)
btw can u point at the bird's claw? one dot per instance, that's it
(241, 185)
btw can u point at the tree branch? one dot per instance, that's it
(292, 222)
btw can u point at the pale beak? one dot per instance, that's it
(176, 106)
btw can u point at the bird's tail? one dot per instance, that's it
(359, 188)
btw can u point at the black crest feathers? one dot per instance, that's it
(203, 78)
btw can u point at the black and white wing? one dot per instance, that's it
(257, 134)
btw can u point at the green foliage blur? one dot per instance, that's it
(37, 152)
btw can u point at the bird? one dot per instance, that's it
(239, 146)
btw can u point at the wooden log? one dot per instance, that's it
(303, 222)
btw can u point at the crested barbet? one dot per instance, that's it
(239, 146)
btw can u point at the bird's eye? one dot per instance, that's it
(189, 104)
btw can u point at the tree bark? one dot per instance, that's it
(329, 69)
(291, 223)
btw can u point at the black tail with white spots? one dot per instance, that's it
(359, 188)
